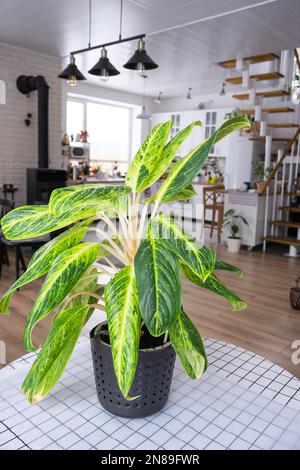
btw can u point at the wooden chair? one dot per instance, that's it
(213, 200)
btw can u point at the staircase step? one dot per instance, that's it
(295, 210)
(283, 109)
(274, 139)
(284, 223)
(255, 59)
(263, 94)
(283, 240)
(282, 125)
(260, 77)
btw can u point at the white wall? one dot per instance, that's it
(182, 104)
(18, 149)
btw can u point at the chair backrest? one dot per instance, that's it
(6, 206)
(213, 195)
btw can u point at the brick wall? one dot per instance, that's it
(18, 143)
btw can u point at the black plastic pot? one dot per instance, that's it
(151, 383)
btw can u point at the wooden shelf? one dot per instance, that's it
(255, 59)
(288, 224)
(274, 139)
(263, 94)
(283, 125)
(283, 240)
(293, 194)
(295, 210)
(260, 77)
(283, 109)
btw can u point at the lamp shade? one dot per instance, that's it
(104, 67)
(140, 59)
(144, 114)
(71, 71)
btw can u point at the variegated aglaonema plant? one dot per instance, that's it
(146, 290)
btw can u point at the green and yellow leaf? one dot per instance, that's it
(158, 279)
(34, 221)
(59, 345)
(124, 324)
(65, 272)
(213, 284)
(141, 171)
(43, 259)
(188, 345)
(55, 353)
(200, 259)
(159, 165)
(183, 195)
(96, 196)
(222, 266)
(185, 170)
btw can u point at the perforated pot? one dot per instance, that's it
(151, 383)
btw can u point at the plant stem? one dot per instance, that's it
(117, 252)
(90, 294)
(101, 267)
(96, 307)
(166, 337)
(142, 222)
(156, 206)
(111, 264)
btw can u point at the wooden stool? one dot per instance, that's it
(213, 199)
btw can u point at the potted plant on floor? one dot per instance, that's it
(232, 220)
(134, 351)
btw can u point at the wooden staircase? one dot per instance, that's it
(262, 94)
(260, 77)
(282, 187)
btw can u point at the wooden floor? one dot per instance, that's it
(268, 326)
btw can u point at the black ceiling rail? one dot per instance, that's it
(107, 44)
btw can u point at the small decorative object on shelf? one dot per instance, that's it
(84, 136)
(134, 351)
(232, 220)
(65, 139)
(295, 295)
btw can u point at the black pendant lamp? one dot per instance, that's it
(71, 73)
(104, 68)
(140, 61)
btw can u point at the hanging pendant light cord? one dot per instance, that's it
(90, 23)
(121, 19)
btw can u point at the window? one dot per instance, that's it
(2, 92)
(75, 118)
(109, 130)
(175, 125)
(210, 125)
(110, 127)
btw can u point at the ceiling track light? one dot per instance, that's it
(223, 91)
(144, 115)
(158, 99)
(71, 73)
(104, 68)
(189, 94)
(140, 61)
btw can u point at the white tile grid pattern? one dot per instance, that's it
(242, 402)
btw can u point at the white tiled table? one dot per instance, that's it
(242, 402)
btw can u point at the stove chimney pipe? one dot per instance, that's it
(26, 84)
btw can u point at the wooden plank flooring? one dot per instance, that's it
(268, 326)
